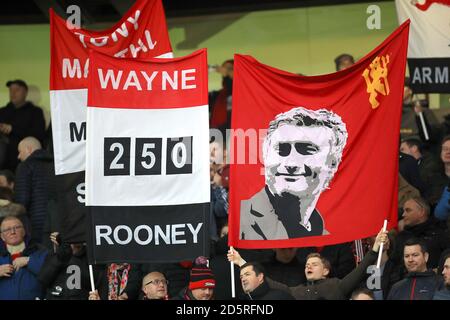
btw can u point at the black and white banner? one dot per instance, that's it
(141, 33)
(147, 164)
(71, 207)
(429, 44)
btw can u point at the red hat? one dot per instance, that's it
(201, 277)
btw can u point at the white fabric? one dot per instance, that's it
(429, 34)
(149, 190)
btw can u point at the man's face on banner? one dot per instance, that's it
(298, 159)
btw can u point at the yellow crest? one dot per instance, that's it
(376, 79)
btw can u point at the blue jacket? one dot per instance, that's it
(23, 284)
(442, 209)
(416, 286)
(443, 294)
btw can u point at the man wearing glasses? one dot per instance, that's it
(154, 286)
(301, 152)
(20, 263)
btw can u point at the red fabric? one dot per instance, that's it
(424, 6)
(319, 249)
(225, 173)
(363, 192)
(186, 264)
(150, 39)
(413, 289)
(219, 110)
(206, 283)
(189, 74)
(15, 256)
(117, 279)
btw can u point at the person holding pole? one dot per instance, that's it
(65, 271)
(317, 269)
(379, 280)
(254, 284)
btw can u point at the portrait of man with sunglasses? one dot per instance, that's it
(301, 152)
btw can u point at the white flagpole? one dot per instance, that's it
(91, 276)
(233, 289)
(380, 250)
(358, 249)
(424, 127)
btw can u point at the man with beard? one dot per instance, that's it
(444, 294)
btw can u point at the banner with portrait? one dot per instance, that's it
(314, 160)
(147, 164)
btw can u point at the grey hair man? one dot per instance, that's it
(301, 152)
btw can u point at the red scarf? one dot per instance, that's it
(16, 255)
(117, 279)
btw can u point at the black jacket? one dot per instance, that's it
(221, 270)
(66, 276)
(32, 187)
(291, 274)
(329, 289)
(409, 169)
(432, 174)
(416, 286)
(26, 121)
(392, 273)
(264, 292)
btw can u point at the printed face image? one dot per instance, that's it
(298, 159)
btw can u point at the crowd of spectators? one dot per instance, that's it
(415, 264)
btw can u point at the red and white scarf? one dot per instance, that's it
(117, 279)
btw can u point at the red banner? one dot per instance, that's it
(141, 33)
(147, 126)
(150, 84)
(314, 160)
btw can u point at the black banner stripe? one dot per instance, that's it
(148, 233)
(429, 75)
(71, 207)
